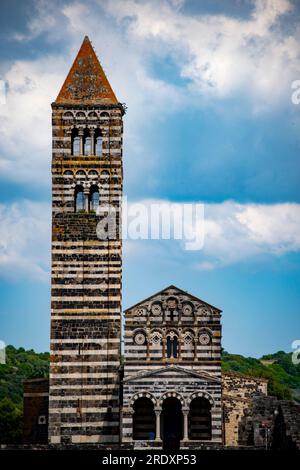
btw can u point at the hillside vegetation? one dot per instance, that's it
(282, 374)
(20, 365)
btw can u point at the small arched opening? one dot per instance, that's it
(94, 198)
(87, 143)
(200, 419)
(172, 346)
(143, 419)
(75, 142)
(98, 142)
(79, 199)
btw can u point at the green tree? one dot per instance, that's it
(10, 422)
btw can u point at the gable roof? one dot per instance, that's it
(179, 290)
(86, 82)
(173, 368)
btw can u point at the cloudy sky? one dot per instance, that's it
(208, 85)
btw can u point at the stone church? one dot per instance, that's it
(172, 370)
(169, 391)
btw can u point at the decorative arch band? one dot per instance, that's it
(142, 395)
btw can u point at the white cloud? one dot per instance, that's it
(233, 233)
(25, 241)
(236, 232)
(221, 55)
(25, 119)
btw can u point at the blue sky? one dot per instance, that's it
(210, 119)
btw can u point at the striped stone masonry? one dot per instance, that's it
(170, 319)
(84, 402)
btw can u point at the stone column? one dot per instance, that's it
(86, 200)
(92, 134)
(80, 133)
(148, 344)
(157, 429)
(185, 424)
(164, 348)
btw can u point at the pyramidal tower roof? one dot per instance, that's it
(86, 82)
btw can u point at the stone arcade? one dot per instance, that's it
(170, 393)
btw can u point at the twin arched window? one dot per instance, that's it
(92, 199)
(172, 346)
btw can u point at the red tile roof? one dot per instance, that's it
(86, 82)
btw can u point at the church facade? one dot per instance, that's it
(169, 391)
(172, 389)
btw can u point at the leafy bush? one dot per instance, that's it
(10, 422)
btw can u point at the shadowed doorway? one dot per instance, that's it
(172, 424)
(200, 419)
(143, 419)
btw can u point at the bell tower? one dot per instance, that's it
(86, 268)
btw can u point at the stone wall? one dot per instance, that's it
(238, 392)
(286, 432)
(35, 404)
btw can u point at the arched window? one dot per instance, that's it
(175, 346)
(68, 115)
(200, 419)
(94, 198)
(80, 115)
(75, 142)
(169, 347)
(143, 419)
(79, 199)
(104, 176)
(98, 142)
(87, 143)
(92, 115)
(172, 346)
(88, 146)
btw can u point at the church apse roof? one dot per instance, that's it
(86, 82)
